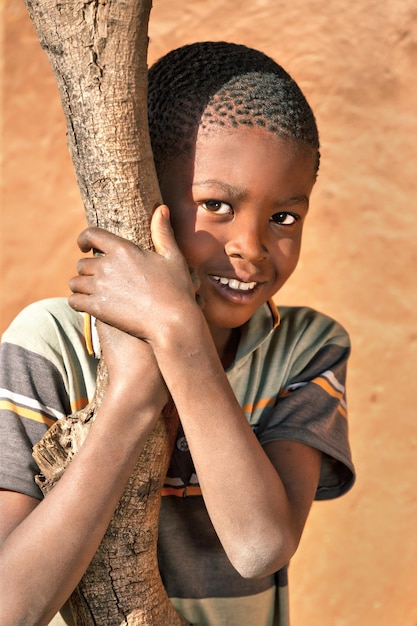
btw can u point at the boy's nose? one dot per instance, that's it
(246, 241)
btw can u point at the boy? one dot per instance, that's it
(260, 394)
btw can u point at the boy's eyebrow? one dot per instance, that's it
(237, 192)
(303, 199)
(211, 182)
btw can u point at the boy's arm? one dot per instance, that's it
(45, 548)
(258, 507)
(258, 498)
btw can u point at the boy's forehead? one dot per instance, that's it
(244, 153)
(223, 149)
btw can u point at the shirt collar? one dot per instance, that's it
(253, 333)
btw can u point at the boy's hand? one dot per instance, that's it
(137, 291)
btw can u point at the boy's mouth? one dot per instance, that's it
(235, 284)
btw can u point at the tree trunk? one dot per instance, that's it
(98, 51)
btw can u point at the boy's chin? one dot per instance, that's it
(227, 322)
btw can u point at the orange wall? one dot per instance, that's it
(356, 565)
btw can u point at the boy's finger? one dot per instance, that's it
(86, 266)
(93, 238)
(161, 230)
(80, 284)
(80, 302)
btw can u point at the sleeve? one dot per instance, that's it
(39, 383)
(311, 407)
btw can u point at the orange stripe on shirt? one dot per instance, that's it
(326, 386)
(25, 412)
(261, 404)
(78, 404)
(343, 411)
(88, 334)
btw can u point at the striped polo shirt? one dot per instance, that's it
(288, 376)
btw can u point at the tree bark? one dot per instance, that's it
(98, 51)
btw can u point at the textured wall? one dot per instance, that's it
(356, 61)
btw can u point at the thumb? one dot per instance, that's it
(161, 231)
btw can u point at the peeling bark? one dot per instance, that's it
(98, 51)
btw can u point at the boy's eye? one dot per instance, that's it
(284, 218)
(216, 206)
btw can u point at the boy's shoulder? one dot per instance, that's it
(304, 334)
(306, 318)
(288, 334)
(45, 320)
(283, 322)
(43, 310)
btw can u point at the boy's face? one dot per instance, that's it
(237, 209)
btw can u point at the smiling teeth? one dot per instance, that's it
(235, 284)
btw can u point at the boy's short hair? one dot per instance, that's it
(220, 83)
